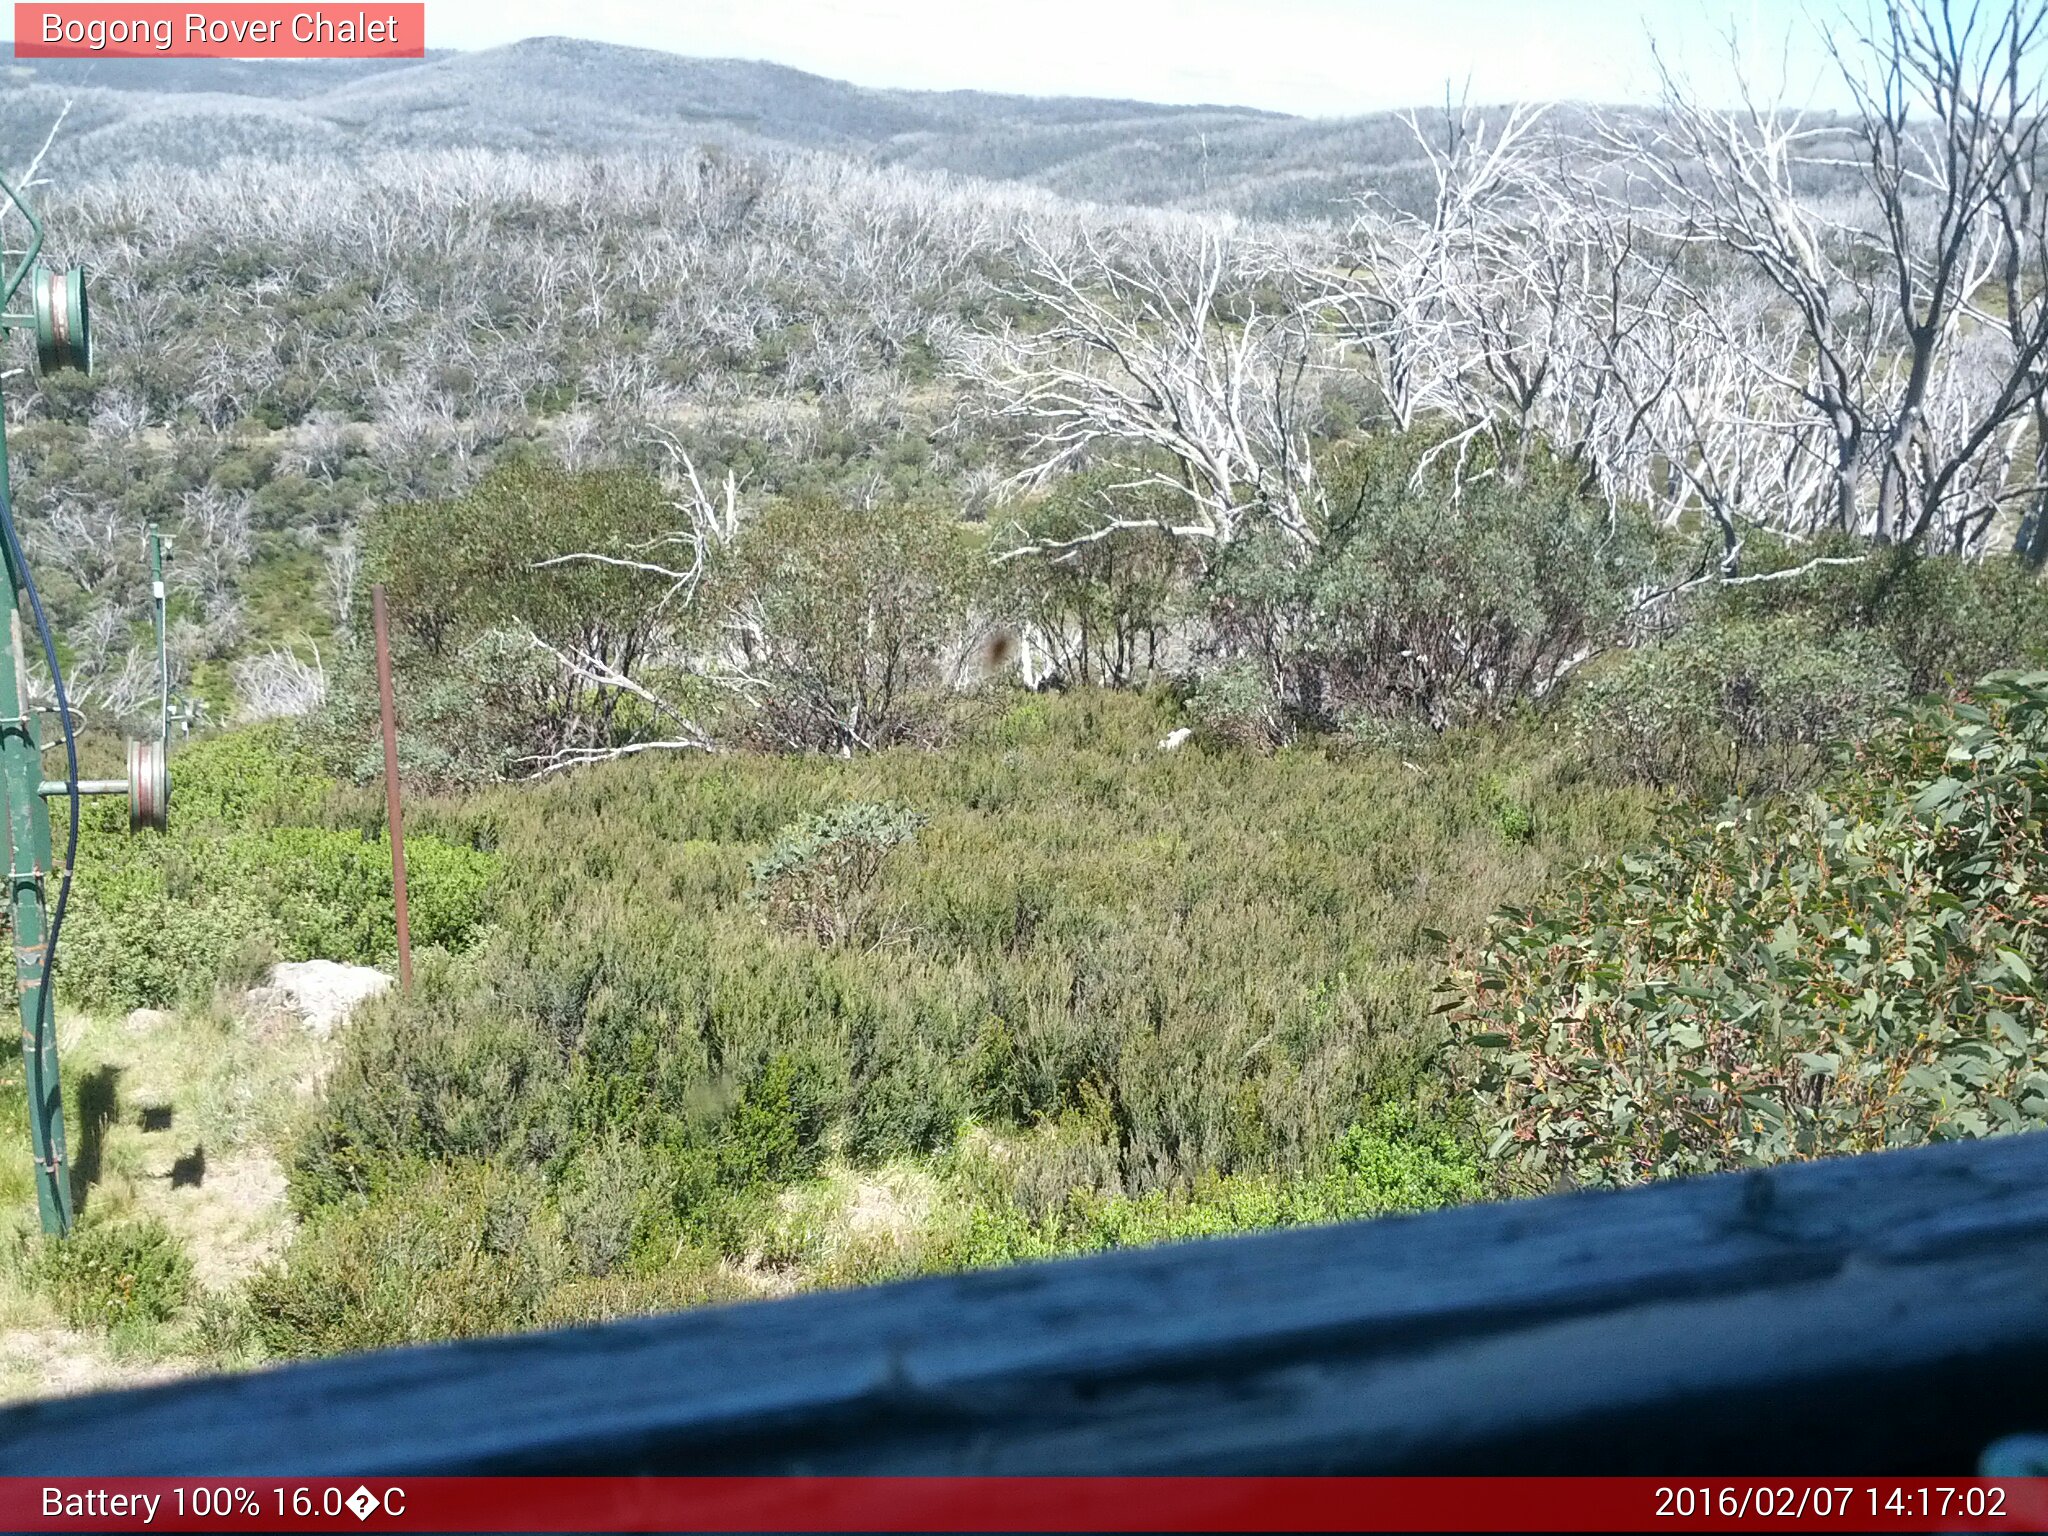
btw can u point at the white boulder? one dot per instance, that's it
(321, 993)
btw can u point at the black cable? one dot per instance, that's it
(35, 603)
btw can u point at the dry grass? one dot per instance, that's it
(179, 1118)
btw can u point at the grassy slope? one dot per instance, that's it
(1110, 995)
(181, 1120)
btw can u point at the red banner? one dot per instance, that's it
(1023, 1504)
(99, 31)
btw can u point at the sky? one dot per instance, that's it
(1318, 58)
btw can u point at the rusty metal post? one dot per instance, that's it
(391, 799)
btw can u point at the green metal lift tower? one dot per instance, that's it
(37, 885)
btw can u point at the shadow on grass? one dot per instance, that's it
(98, 1107)
(189, 1171)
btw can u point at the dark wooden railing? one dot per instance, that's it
(1885, 1314)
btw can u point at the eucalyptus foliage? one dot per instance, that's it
(1844, 972)
(1103, 606)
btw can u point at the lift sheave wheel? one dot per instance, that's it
(149, 787)
(63, 323)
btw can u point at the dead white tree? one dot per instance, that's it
(279, 683)
(1162, 358)
(343, 563)
(1950, 123)
(1698, 370)
(215, 543)
(1528, 301)
(1458, 306)
(1889, 290)
(115, 692)
(675, 565)
(93, 544)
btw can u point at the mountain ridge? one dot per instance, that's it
(555, 94)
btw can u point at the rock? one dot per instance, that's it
(1175, 738)
(267, 1013)
(143, 1020)
(320, 993)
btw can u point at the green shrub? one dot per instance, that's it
(845, 617)
(225, 1328)
(329, 892)
(108, 1275)
(1945, 620)
(1513, 817)
(1076, 913)
(1074, 1155)
(910, 1101)
(239, 880)
(257, 776)
(1392, 1161)
(1022, 724)
(1384, 1164)
(1737, 705)
(1427, 600)
(1102, 607)
(619, 1202)
(1841, 973)
(1236, 705)
(602, 1299)
(147, 932)
(1187, 967)
(442, 1076)
(440, 1252)
(775, 1134)
(819, 877)
(161, 921)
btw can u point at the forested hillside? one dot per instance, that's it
(568, 96)
(985, 678)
